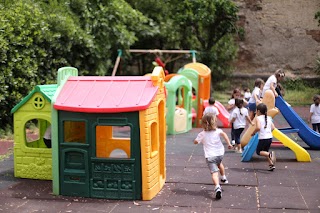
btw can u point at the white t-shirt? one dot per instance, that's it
(272, 80)
(231, 102)
(256, 91)
(240, 121)
(212, 144)
(211, 109)
(47, 134)
(315, 117)
(265, 133)
(247, 95)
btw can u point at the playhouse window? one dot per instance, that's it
(34, 131)
(74, 131)
(154, 139)
(113, 141)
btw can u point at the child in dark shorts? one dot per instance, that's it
(264, 127)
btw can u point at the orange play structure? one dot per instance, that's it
(200, 76)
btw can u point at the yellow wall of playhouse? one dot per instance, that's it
(153, 140)
(31, 162)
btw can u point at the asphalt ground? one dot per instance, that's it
(292, 187)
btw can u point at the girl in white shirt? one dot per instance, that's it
(256, 97)
(231, 106)
(314, 117)
(213, 149)
(247, 94)
(272, 82)
(239, 116)
(264, 127)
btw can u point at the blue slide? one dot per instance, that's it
(308, 135)
(250, 148)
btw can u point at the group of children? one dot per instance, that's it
(239, 115)
(244, 109)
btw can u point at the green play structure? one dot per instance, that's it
(193, 76)
(179, 117)
(32, 159)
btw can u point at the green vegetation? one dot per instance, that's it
(39, 36)
(222, 97)
(207, 26)
(317, 17)
(317, 66)
(301, 97)
(6, 134)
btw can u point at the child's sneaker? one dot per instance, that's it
(237, 150)
(225, 181)
(218, 192)
(271, 168)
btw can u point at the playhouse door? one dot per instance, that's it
(74, 170)
(115, 168)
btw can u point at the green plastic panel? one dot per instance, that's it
(181, 85)
(83, 174)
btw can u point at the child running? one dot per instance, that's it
(314, 117)
(256, 97)
(211, 108)
(238, 117)
(264, 127)
(213, 150)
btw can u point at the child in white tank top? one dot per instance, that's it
(264, 127)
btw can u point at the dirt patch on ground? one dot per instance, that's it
(6, 146)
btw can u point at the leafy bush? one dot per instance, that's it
(38, 37)
(206, 26)
(294, 84)
(317, 67)
(19, 60)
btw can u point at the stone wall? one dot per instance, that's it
(278, 34)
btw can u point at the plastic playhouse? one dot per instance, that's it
(108, 135)
(32, 159)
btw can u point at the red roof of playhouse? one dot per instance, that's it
(106, 94)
